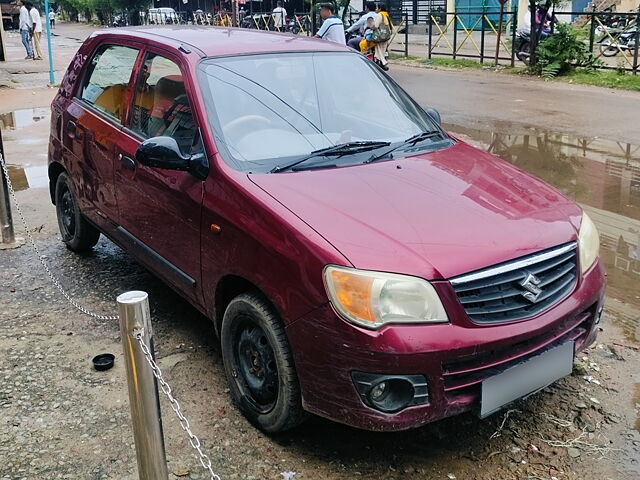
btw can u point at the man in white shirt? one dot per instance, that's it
(36, 30)
(279, 15)
(332, 28)
(25, 29)
(52, 19)
(361, 25)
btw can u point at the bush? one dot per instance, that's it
(560, 52)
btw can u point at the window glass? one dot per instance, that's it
(161, 106)
(266, 108)
(108, 77)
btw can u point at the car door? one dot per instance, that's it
(159, 210)
(91, 124)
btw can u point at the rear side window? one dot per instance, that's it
(161, 106)
(107, 79)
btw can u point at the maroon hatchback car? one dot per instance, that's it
(357, 261)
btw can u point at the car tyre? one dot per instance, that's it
(259, 365)
(77, 233)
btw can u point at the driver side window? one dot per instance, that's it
(161, 106)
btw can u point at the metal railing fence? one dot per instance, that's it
(297, 23)
(612, 38)
(464, 34)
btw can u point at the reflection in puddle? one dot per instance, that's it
(23, 118)
(604, 177)
(28, 177)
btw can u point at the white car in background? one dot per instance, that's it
(162, 16)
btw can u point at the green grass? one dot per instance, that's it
(603, 78)
(397, 56)
(439, 61)
(454, 62)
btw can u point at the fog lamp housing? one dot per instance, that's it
(391, 393)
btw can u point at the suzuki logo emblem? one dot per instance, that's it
(530, 284)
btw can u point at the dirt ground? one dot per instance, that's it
(61, 419)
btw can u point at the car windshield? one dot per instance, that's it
(270, 110)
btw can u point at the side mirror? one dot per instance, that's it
(435, 115)
(164, 152)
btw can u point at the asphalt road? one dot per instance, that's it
(486, 99)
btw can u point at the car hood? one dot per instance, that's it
(434, 215)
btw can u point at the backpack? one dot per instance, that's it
(382, 33)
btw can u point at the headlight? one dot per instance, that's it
(588, 243)
(372, 299)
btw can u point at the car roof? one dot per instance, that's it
(215, 41)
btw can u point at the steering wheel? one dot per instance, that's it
(246, 122)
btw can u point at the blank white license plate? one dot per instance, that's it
(526, 378)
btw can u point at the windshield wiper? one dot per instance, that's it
(411, 141)
(340, 150)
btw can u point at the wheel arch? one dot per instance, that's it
(54, 171)
(228, 288)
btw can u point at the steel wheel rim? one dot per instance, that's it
(256, 366)
(67, 213)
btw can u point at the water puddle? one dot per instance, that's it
(604, 177)
(23, 118)
(32, 143)
(23, 178)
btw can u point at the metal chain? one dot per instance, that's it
(157, 373)
(53, 278)
(184, 423)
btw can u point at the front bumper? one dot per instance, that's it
(454, 357)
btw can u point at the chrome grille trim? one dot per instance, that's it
(514, 265)
(518, 289)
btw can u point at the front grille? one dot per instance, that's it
(497, 294)
(464, 375)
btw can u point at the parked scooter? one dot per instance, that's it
(522, 46)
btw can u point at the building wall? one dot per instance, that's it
(627, 6)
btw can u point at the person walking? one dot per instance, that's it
(25, 29)
(279, 16)
(332, 28)
(36, 30)
(52, 19)
(361, 25)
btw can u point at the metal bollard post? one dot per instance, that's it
(143, 389)
(6, 220)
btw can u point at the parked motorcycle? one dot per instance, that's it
(248, 22)
(119, 21)
(623, 41)
(292, 25)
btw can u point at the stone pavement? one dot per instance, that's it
(17, 72)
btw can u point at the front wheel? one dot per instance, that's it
(259, 365)
(77, 234)
(524, 52)
(608, 49)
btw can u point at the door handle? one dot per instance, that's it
(71, 129)
(127, 162)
